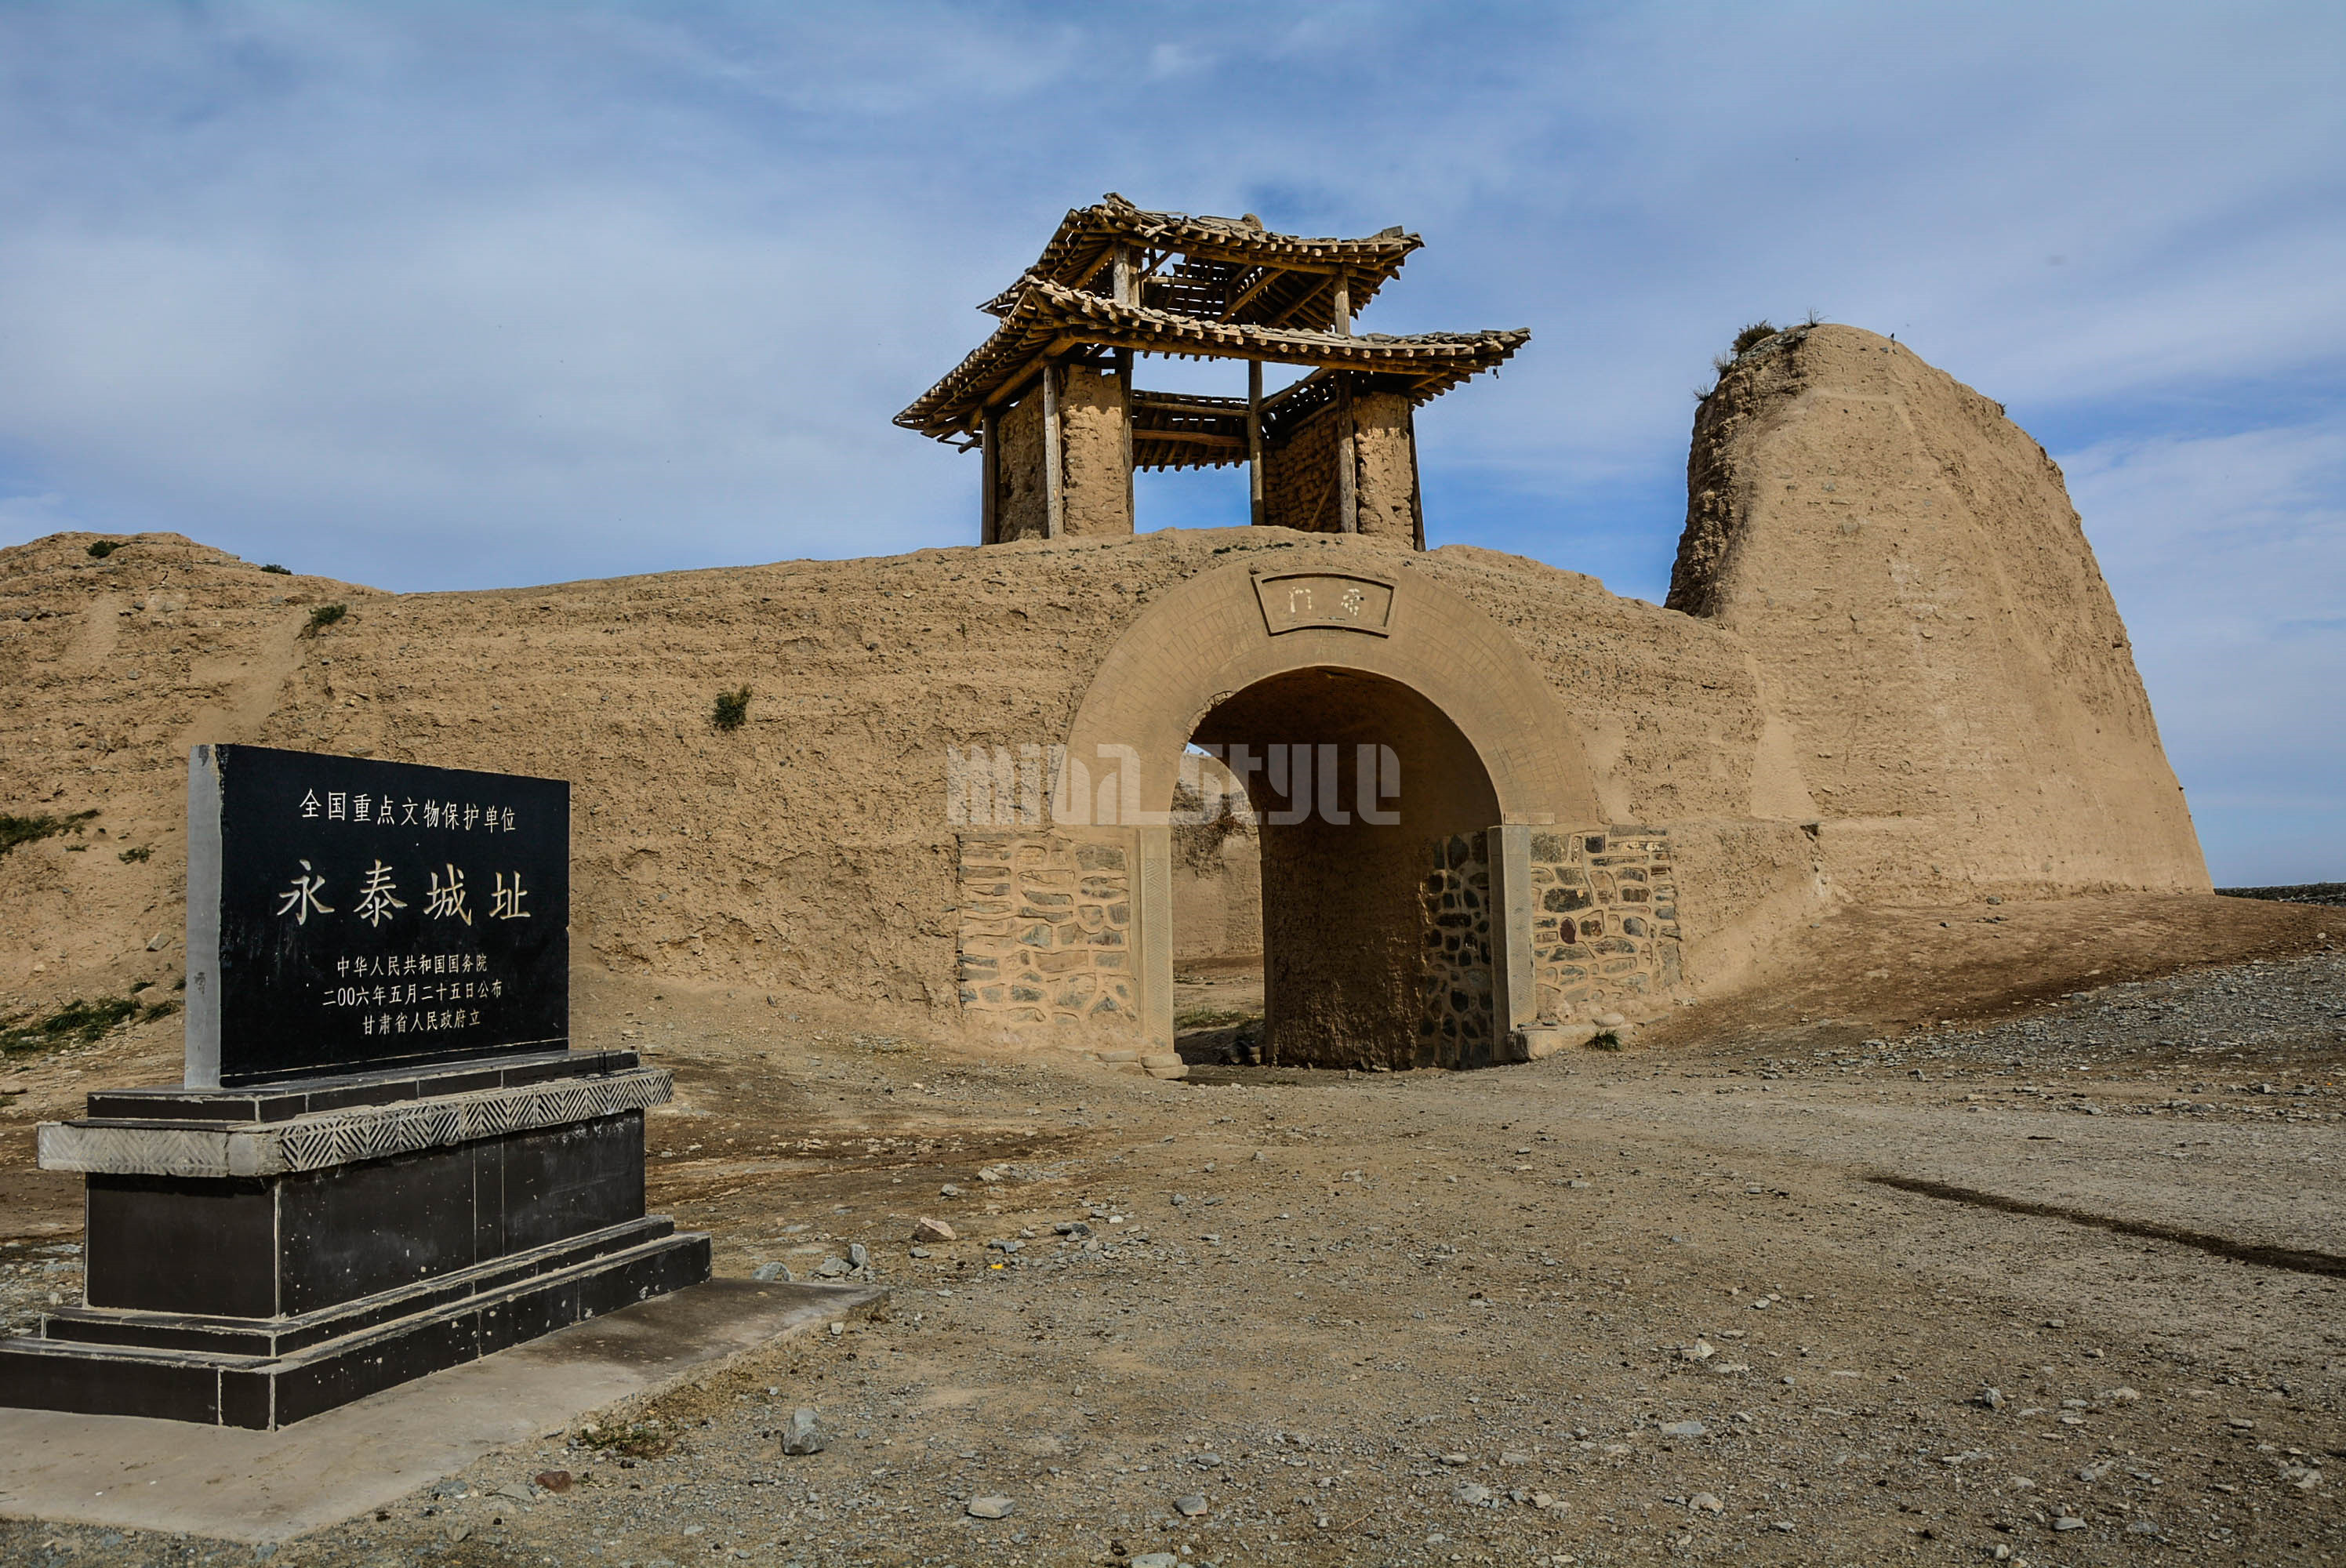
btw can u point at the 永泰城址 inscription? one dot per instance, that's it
(346, 914)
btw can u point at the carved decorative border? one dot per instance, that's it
(329, 1139)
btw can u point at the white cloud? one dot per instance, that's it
(442, 294)
(2227, 557)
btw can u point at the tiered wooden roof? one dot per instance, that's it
(1208, 288)
(1223, 269)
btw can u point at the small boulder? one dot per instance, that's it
(801, 1435)
(931, 1230)
(989, 1508)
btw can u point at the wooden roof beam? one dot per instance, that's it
(1324, 286)
(1263, 279)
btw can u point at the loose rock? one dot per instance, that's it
(989, 1508)
(801, 1435)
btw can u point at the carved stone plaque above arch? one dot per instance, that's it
(1340, 601)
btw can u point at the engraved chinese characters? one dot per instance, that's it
(347, 914)
(1338, 601)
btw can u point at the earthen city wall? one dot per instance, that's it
(1896, 674)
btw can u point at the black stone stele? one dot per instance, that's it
(327, 1226)
(346, 914)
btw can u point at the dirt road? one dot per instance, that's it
(1739, 1295)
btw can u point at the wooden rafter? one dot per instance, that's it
(1263, 279)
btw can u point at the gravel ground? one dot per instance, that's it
(36, 1276)
(1718, 1303)
(2330, 894)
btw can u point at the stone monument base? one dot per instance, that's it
(256, 1256)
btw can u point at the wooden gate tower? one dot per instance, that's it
(1049, 400)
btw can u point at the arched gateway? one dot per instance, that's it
(1435, 880)
(1408, 765)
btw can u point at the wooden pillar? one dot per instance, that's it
(1416, 488)
(989, 516)
(1348, 499)
(1124, 393)
(1254, 443)
(1348, 440)
(1127, 292)
(1055, 467)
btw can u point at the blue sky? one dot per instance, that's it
(436, 296)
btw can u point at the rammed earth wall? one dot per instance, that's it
(1045, 933)
(1300, 476)
(812, 849)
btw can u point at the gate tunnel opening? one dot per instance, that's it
(1371, 809)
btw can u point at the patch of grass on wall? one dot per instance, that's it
(732, 710)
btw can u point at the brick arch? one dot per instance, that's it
(1207, 640)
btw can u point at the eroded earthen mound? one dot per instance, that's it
(1949, 691)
